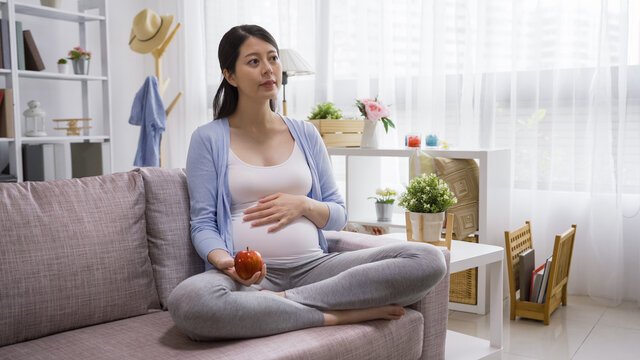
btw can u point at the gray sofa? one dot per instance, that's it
(86, 266)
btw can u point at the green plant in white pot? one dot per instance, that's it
(384, 203)
(426, 199)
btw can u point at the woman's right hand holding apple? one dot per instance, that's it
(224, 262)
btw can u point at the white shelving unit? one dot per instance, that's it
(87, 11)
(493, 204)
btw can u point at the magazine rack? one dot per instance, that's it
(520, 240)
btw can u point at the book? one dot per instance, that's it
(536, 279)
(526, 265)
(20, 45)
(7, 128)
(32, 58)
(86, 159)
(32, 162)
(1, 62)
(545, 281)
(38, 162)
(4, 38)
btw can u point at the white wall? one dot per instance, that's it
(129, 70)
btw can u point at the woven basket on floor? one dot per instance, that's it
(464, 284)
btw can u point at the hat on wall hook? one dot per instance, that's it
(149, 31)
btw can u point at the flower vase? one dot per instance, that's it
(80, 66)
(429, 223)
(384, 211)
(369, 138)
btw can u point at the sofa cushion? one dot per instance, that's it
(173, 257)
(72, 253)
(153, 336)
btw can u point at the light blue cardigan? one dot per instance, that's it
(207, 179)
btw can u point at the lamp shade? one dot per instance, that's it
(293, 64)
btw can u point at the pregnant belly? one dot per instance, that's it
(299, 238)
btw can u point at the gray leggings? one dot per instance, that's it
(213, 306)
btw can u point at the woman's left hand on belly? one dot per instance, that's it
(279, 208)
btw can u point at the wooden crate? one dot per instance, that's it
(340, 133)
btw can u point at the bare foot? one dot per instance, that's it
(273, 292)
(341, 317)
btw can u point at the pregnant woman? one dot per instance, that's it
(260, 180)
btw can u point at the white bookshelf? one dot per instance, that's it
(493, 203)
(88, 11)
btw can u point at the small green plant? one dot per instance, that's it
(62, 61)
(385, 196)
(326, 110)
(427, 194)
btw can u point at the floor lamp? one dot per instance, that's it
(292, 65)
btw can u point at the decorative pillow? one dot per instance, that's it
(173, 257)
(73, 253)
(462, 177)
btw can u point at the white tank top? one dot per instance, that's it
(294, 243)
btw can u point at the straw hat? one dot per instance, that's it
(149, 31)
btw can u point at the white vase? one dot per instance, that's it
(369, 138)
(431, 224)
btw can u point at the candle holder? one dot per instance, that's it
(34, 120)
(413, 140)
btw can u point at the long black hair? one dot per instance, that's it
(226, 99)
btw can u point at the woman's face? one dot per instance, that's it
(258, 72)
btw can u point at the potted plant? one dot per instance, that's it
(426, 199)
(384, 203)
(326, 110)
(80, 60)
(335, 130)
(373, 110)
(63, 66)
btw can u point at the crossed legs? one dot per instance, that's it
(336, 289)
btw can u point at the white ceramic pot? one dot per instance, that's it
(431, 224)
(63, 68)
(369, 138)
(384, 211)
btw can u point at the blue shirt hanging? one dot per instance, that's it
(148, 113)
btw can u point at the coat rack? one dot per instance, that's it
(163, 83)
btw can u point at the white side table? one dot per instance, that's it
(464, 256)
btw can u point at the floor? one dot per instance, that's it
(583, 330)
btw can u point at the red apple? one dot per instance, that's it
(248, 263)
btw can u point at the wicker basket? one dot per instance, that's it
(340, 133)
(464, 284)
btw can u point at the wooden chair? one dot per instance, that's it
(520, 240)
(448, 232)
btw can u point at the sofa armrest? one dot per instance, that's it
(434, 307)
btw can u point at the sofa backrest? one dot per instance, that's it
(72, 253)
(173, 257)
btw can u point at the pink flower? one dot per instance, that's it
(375, 111)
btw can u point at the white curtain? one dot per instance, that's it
(557, 82)
(185, 66)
